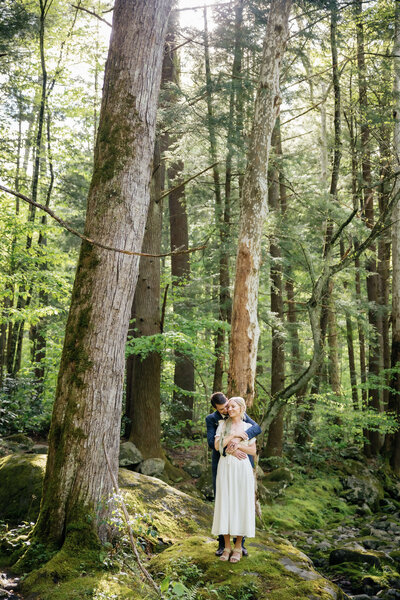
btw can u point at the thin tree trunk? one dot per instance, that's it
(303, 432)
(223, 220)
(373, 443)
(393, 444)
(87, 407)
(275, 433)
(384, 247)
(223, 284)
(253, 209)
(184, 380)
(357, 200)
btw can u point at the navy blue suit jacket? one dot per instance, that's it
(212, 424)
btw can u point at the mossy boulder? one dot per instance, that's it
(274, 570)
(282, 474)
(21, 478)
(341, 555)
(194, 468)
(172, 513)
(363, 489)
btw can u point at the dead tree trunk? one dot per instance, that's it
(253, 209)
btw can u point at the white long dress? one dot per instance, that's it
(234, 511)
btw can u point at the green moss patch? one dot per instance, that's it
(308, 504)
(21, 477)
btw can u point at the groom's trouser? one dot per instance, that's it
(221, 541)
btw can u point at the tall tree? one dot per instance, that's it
(87, 407)
(253, 209)
(394, 400)
(373, 443)
(275, 433)
(144, 373)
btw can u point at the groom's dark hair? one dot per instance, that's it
(218, 398)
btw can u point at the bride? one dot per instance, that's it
(234, 512)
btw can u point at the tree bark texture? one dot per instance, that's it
(87, 407)
(253, 209)
(144, 374)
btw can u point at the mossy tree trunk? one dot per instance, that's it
(253, 209)
(87, 407)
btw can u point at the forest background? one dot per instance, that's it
(332, 168)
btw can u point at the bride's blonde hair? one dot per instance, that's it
(242, 404)
(226, 427)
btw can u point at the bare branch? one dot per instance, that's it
(90, 12)
(86, 239)
(168, 192)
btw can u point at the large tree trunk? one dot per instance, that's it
(253, 209)
(87, 407)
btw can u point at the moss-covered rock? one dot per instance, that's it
(282, 474)
(274, 570)
(172, 513)
(363, 489)
(21, 477)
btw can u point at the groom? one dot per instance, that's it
(220, 402)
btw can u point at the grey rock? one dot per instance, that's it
(363, 489)
(341, 555)
(194, 468)
(152, 467)
(323, 546)
(129, 455)
(40, 449)
(302, 570)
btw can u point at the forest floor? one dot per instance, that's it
(340, 513)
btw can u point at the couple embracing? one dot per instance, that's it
(231, 435)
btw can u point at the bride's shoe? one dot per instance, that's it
(236, 555)
(225, 555)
